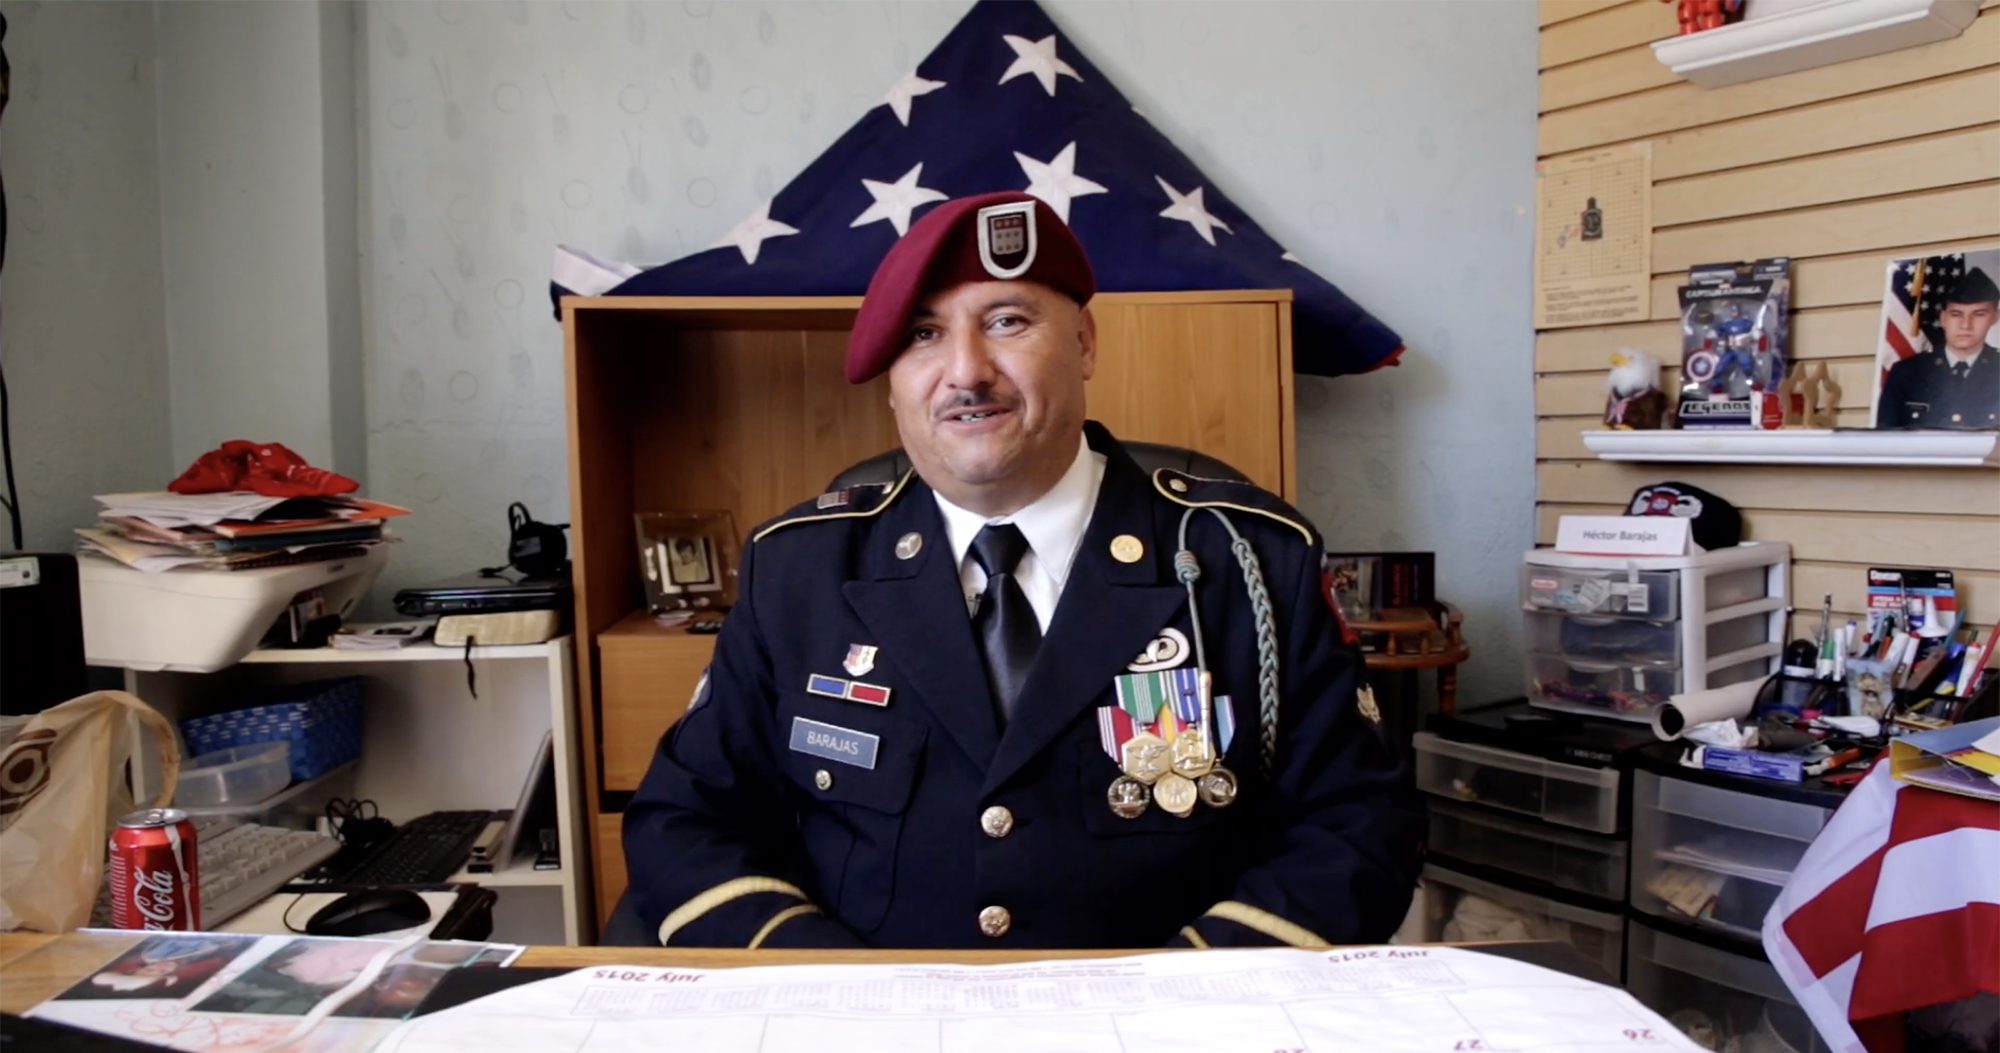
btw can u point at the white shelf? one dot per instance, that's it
(1817, 35)
(420, 652)
(519, 874)
(1935, 449)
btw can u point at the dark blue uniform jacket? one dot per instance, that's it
(735, 838)
(1920, 392)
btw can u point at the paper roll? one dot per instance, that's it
(1699, 707)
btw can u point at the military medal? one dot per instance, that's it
(1217, 789)
(1144, 757)
(1128, 797)
(1175, 794)
(1162, 735)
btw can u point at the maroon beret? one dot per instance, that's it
(990, 237)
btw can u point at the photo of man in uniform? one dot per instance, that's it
(1953, 381)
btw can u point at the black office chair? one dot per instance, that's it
(623, 928)
(1152, 456)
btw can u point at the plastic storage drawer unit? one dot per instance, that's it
(1594, 866)
(1625, 690)
(1722, 856)
(1718, 999)
(1460, 909)
(1568, 794)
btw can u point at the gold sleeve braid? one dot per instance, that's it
(1264, 921)
(733, 889)
(778, 919)
(1194, 938)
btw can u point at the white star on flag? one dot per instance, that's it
(1056, 181)
(895, 201)
(901, 92)
(1188, 207)
(748, 236)
(1039, 58)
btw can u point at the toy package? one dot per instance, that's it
(1735, 337)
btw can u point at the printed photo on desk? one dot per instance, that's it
(688, 559)
(1938, 365)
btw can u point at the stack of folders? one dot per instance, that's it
(232, 531)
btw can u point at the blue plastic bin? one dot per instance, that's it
(321, 719)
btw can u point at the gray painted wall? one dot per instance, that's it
(82, 326)
(1390, 145)
(257, 155)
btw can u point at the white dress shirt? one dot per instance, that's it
(1053, 524)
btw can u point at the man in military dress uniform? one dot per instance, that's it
(1957, 385)
(976, 708)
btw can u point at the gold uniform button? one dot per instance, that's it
(996, 821)
(1179, 486)
(1127, 549)
(823, 779)
(995, 921)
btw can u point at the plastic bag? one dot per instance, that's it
(62, 786)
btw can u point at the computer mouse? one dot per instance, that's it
(369, 912)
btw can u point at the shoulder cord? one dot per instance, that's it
(1188, 571)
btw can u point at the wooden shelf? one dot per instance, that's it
(1819, 35)
(1932, 449)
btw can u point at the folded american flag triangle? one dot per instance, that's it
(1006, 102)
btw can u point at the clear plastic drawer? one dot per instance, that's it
(1631, 641)
(1459, 908)
(1594, 866)
(1622, 690)
(1718, 999)
(1651, 594)
(1569, 794)
(1712, 857)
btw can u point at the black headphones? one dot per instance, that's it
(539, 550)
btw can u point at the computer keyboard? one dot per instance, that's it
(424, 851)
(241, 863)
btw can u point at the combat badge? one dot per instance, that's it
(1365, 702)
(1167, 650)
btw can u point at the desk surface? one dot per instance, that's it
(35, 967)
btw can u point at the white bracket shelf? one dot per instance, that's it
(1936, 449)
(1818, 35)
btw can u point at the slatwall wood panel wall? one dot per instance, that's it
(1840, 167)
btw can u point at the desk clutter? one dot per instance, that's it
(214, 991)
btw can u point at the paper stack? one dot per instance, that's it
(237, 530)
(1964, 759)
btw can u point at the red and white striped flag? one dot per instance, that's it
(1896, 905)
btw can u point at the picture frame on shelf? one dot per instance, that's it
(687, 559)
(1938, 347)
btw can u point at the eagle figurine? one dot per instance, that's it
(1635, 401)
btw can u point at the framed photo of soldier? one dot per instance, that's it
(687, 560)
(1938, 356)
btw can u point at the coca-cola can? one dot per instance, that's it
(155, 883)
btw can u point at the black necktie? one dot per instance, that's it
(1005, 624)
(1959, 370)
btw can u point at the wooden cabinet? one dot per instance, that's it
(701, 403)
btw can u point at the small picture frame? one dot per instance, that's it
(1937, 362)
(687, 560)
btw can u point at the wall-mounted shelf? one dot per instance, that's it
(1819, 35)
(1936, 449)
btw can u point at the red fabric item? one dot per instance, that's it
(1895, 906)
(942, 250)
(266, 468)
